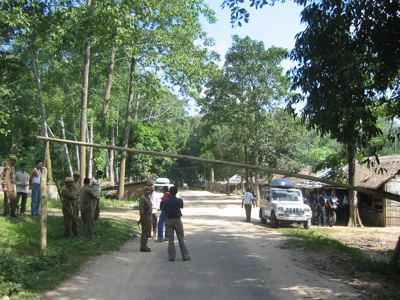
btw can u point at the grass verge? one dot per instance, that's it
(24, 272)
(316, 241)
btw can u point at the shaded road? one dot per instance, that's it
(231, 259)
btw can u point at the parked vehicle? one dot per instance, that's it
(158, 186)
(331, 207)
(282, 203)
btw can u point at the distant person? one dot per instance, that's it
(248, 201)
(345, 208)
(173, 212)
(8, 176)
(321, 209)
(88, 206)
(22, 184)
(145, 209)
(155, 202)
(70, 198)
(163, 217)
(34, 184)
(96, 186)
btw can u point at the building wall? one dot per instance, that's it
(392, 208)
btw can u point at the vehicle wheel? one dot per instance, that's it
(307, 224)
(263, 221)
(332, 218)
(274, 220)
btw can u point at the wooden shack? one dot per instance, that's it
(386, 177)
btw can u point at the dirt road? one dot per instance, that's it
(231, 259)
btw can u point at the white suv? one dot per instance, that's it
(281, 203)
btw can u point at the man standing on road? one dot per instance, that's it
(76, 176)
(145, 209)
(172, 208)
(22, 184)
(34, 184)
(248, 201)
(8, 185)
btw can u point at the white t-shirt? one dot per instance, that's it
(36, 178)
(22, 182)
(155, 202)
(247, 198)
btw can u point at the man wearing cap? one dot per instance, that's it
(77, 176)
(145, 209)
(8, 185)
(70, 199)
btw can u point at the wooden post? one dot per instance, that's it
(369, 191)
(43, 215)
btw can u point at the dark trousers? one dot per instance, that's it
(88, 224)
(24, 198)
(247, 207)
(321, 216)
(97, 210)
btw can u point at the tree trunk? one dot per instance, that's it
(354, 217)
(84, 103)
(131, 96)
(39, 87)
(90, 165)
(66, 152)
(107, 93)
(212, 179)
(111, 155)
(396, 253)
(78, 161)
(43, 215)
(257, 188)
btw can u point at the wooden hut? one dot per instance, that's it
(386, 177)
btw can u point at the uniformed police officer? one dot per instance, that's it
(145, 209)
(88, 206)
(8, 185)
(70, 199)
(76, 186)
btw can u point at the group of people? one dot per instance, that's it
(170, 215)
(23, 182)
(321, 204)
(85, 200)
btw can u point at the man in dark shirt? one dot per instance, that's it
(172, 209)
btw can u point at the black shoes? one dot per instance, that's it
(147, 249)
(186, 258)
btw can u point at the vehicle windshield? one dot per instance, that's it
(286, 195)
(158, 188)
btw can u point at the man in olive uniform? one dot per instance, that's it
(70, 199)
(8, 185)
(77, 177)
(145, 209)
(88, 206)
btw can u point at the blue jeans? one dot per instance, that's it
(35, 205)
(160, 227)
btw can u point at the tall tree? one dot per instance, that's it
(251, 83)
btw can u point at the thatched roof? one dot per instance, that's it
(371, 178)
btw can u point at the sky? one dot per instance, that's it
(274, 25)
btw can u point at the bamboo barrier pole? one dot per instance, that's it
(43, 215)
(369, 191)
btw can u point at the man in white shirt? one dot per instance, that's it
(248, 201)
(155, 201)
(22, 184)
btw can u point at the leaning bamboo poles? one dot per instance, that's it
(369, 191)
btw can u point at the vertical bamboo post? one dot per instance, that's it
(43, 215)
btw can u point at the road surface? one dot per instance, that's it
(231, 259)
